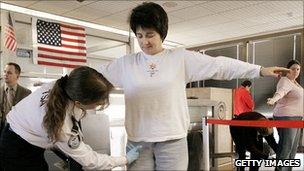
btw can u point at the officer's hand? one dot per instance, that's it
(133, 154)
(274, 71)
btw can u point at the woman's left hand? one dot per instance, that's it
(133, 154)
(273, 71)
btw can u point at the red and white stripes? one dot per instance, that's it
(71, 53)
(10, 41)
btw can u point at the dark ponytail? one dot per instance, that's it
(56, 109)
(84, 84)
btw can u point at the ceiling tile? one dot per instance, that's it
(174, 5)
(263, 9)
(208, 21)
(191, 12)
(195, 41)
(58, 7)
(273, 17)
(286, 6)
(108, 22)
(114, 19)
(240, 32)
(226, 27)
(86, 13)
(204, 31)
(275, 25)
(179, 27)
(221, 6)
(179, 5)
(112, 6)
(173, 19)
(20, 3)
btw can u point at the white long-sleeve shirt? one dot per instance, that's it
(154, 87)
(26, 120)
(288, 98)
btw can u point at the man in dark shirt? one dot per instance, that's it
(251, 139)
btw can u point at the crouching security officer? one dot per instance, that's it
(251, 139)
(49, 118)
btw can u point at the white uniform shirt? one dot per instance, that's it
(26, 120)
(154, 87)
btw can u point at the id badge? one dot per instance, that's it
(74, 141)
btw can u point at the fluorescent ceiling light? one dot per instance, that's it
(60, 18)
(35, 13)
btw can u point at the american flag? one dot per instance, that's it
(10, 41)
(58, 44)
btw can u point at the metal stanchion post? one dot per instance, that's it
(205, 128)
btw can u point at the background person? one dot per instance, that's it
(242, 101)
(154, 83)
(10, 92)
(251, 139)
(49, 118)
(288, 101)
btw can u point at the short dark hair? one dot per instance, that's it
(17, 67)
(246, 83)
(292, 62)
(150, 15)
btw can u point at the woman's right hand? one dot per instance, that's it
(270, 102)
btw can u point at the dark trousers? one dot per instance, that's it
(16, 154)
(241, 150)
(2, 123)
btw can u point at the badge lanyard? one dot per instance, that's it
(75, 139)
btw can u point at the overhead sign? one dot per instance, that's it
(24, 53)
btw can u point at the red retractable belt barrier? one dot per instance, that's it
(260, 123)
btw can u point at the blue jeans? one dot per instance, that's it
(167, 155)
(288, 141)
